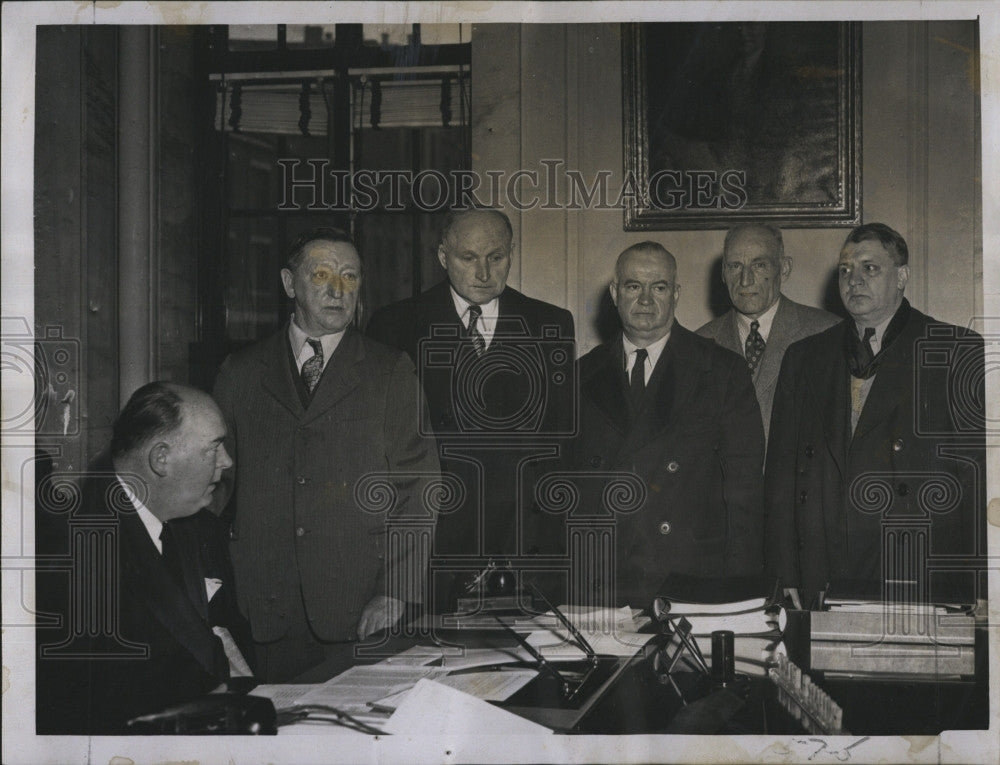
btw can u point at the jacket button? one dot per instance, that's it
(665, 527)
(803, 496)
(903, 489)
(300, 481)
(595, 461)
(897, 445)
(809, 451)
(300, 532)
(672, 466)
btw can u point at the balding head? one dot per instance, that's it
(475, 251)
(171, 436)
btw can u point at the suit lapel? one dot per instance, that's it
(729, 335)
(784, 328)
(605, 387)
(670, 389)
(145, 576)
(276, 376)
(831, 387)
(340, 376)
(894, 377)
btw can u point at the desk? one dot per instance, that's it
(633, 698)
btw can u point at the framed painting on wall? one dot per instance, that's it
(731, 122)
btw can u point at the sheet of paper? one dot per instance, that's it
(282, 696)
(554, 645)
(433, 709)
(351, 691)
(415, 656)
(490, 686)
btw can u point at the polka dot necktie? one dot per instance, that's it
(478, 341)
(312, 370)
(754, 347)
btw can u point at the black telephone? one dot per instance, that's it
(217, 714)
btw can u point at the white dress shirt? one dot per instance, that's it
(487, 323)
(302, 351)
(653, 351)
(876, 339)
(765, 320)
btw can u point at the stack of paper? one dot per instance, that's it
(877, 638)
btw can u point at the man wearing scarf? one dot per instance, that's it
(875, 472)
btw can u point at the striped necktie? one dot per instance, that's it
(478, 341)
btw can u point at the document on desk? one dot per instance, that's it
(610, 632)
(353, 690)
(282, 696)
(488, 686)
(746, 617)
(457, 658)
(434, 709)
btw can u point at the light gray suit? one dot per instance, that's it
(792, 322)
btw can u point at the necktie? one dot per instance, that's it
(637, 380)
(867, 355)
(171, 554)
(754, 346)
(312, 370)
(478, 341)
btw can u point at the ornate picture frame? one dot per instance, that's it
(732, 122)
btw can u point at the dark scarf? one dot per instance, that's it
(859, 361)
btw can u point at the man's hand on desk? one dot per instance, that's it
(381, 613)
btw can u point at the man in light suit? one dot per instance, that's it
(323, 423)
(875, 466)
(680, 412)
(762, 322)
(166, 629)
(495, 393)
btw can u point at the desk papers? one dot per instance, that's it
(432, 708)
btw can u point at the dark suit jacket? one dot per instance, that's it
(163, 633)
(309, 527)
(520, 393)
(698, 445)
(792, 322)
(915, 458)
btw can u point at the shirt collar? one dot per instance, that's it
(491, 310)
(880, 329)
(152, 524)
(765, 321)
(654, 350)
(297, 338)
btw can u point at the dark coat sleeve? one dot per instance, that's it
(781, 538)
(741, 455)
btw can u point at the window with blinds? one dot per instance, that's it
(277, 108)
(302, 108)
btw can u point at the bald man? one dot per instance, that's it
(484, 353)
(680, 413)
(762, 322)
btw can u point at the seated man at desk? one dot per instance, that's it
(679, 412)
(875, 465)
(151, 617)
